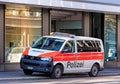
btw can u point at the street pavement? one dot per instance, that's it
(19, 75)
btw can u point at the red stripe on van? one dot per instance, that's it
(91, 56)
(65, 57)
(26, 51)
(80, 56)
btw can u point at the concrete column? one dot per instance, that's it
(86, 24)
(46, 22)
(2, 37)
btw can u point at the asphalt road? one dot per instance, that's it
(69, 79)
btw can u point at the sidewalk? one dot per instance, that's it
(19, 75)
(110, 72)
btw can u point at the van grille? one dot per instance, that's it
(28, 63)
(32, 57)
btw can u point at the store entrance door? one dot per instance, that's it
(97, 25)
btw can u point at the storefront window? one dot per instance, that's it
(110, 37)
(22, 28)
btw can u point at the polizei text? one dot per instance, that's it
(74, 64)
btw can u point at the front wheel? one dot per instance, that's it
(57, 72)
(27, 72)
(94, 71)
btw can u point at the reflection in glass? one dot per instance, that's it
(23, 27)
(45, 43)
(110, 37)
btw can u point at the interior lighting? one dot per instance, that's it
(27, 13)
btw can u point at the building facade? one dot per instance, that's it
(23, 21)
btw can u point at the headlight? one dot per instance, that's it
(46, 59)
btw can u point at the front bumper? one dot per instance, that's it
(36, 65)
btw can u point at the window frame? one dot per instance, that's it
(74, 46)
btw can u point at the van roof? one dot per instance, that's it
(86, 38)
(67, 36)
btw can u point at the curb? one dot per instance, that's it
(22, 78)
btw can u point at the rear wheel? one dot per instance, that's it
(57, 72)
(27, 72)
(94, 71)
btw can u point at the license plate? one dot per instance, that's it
(30, 67)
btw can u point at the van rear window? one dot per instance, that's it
(88, 46)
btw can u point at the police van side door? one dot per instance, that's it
(80, 55)
(68, 56)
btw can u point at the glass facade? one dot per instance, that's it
(22, 28)
(110, 37)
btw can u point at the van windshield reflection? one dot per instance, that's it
(48, 43)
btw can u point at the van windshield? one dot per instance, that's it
(48, 43)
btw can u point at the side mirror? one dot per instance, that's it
(66, 50)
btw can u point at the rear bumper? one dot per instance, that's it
(36, 66)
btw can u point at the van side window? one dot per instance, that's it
(88, 46)
(98, 45)
(69, 47)
(80, 46)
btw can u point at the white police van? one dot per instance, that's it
(62, 53)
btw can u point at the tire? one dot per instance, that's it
(27, 72)
(94, 71)
(57, 72)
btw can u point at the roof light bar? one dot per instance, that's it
(62, 34)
